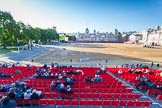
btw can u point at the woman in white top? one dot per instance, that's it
(27, 94)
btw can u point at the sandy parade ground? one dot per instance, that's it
(94, 53)
(91, 54)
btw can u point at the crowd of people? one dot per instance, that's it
(97, 77)
(17, 90)
(143, 80)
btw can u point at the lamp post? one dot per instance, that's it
(71, 62)
(106, 61)
(18, 44)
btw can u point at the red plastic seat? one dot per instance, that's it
(130, 103)
(95, 95)
(43, 101)
(103, 96)
(74, 102)
(89, 95)
(114, 103)
(35, 101)
(90, 102)
(159, 97)
(83, 102)
(98, 102)
(67, 102)
(58, 102)
(123, 103)
(83, 95)
(138, 103)
(107, 102)
(147, 103)
(110, 96)
(50, 101)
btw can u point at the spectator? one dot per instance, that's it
(131, 70)
(160, 74)
(60, 76)
(97, 78)
(69, 89)
(58, 84)
(149, 71)
(5, 102)
(27, 94)
(2, 88)
(62, 88)
(144, 81)
(19, 94)
(11, 93)
(88, 79)
(138, 71)
(73, 78)
(45, 66)
(34, 95)
(53, 85)
(52, 65)
(120, 71)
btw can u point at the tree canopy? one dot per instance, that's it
(17, 33)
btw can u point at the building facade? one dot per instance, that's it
(98, 37)
(153, 36)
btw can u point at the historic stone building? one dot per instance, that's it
(98, 37)
(152, 36)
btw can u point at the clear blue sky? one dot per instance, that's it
(77, 15)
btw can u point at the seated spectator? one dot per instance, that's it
(149, 71)
(120, 71)
(64, 74)
(69, 89)
(11, 93)
(53, 85)
(58, 84)
(19, 94)
(160, 74)
(62, 88)
(73, 78)
(60, 76)
(2, 88)
(97, 78)
(38, 71)
(34, 95)
(144, 81)
(68, 81)
(88, 79)
(70, 72)
(131, 70)
(27, 94)
(138, 71)
(78, 72)
(98, 72)
(5, 102)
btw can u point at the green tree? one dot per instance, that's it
(7, 26)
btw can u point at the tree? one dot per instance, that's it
(7, 26)
(12, 31)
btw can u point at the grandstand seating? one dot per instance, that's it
(110, 92)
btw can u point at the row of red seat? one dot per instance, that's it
(82, 102)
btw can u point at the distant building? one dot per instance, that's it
(153, 36)
(136, 37)
(97, 37)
